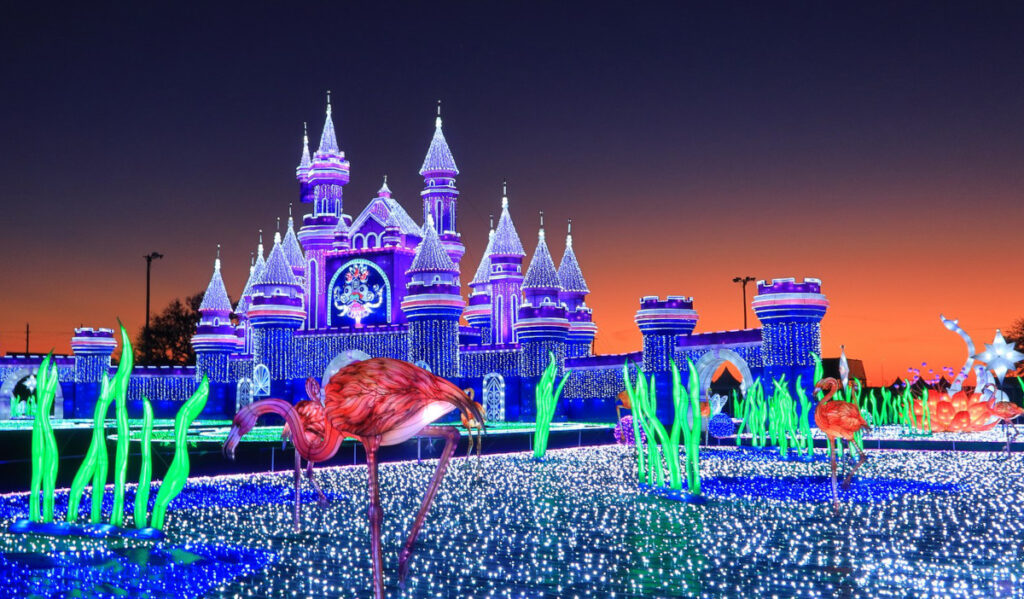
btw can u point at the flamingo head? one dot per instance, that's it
(243, 422)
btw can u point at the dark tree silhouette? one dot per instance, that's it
(170, 334)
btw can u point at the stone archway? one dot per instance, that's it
(709, 363)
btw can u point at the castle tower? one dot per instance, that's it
(790, 315)
(439, 193)
(433, 306)
(478, 313)
(661, 321)
(542, 326)
(302, 171)
(506, 277)
(574, 289)
(328, 173)
(92, 349)
(276, 312)
(215, 337)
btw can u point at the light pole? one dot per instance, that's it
(149, 262)
(744, 281)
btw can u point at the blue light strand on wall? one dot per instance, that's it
(436, 342)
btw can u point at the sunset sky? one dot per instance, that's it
(876, 147)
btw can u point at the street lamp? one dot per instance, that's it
(149, 262)
(744, 281)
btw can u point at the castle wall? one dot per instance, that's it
(314, 351)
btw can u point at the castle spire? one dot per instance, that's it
(216, 296)
(292, 249)
(483, 272)
(328, 139)
(569, 274)
(506, 240)
(439, 160)
(541, 273)
(304, 161)
(430, 254)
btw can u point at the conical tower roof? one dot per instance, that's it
(278, 271)
(328, 140)
(216, 296)
(506, 240)
(304, 161)
(541, 274)
(483, 272)
(439, 158)
(430, 254)
(292, 249)
(570, 277)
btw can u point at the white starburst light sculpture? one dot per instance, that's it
(999, 356)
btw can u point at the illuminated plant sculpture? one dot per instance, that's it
(44, 445)
(94, 465)
(649, 431)
(547, 395)
(174, 480)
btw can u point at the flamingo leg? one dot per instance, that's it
(860, 462)
(451, 436)
(375, 515)
(298, 494)
(835, 491)
(321, 498)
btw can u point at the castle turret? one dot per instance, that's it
(661, 321)
(215, 337)
(478, 312)
(506, 277)
(328, 174)
(790, 315)
(276, 312)
(92, 349)
(439, 194)
(433, 306)
(542, 326)
(574, 289)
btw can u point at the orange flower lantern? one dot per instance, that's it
(962, 413)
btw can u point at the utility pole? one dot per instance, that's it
(149, 262)
(744, 281)
(26, 338)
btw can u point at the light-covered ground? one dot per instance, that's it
(915, 524)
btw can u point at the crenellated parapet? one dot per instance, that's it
(661, 322)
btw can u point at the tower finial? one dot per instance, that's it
(541, 219)
(289, 210)
(252, 259)
(216, 261)
(437, 122)
(492, 222)
(385, 178)
(305, 133)
(504, 193)
(568, 235)
(279, 225)
(261, 240)
(328, 102)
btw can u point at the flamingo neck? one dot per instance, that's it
(287, 411)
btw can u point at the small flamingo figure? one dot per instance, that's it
(1007, 412)
(380, 401)
(839, 420)
(471, 424)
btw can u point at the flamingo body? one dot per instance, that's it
(380, 401)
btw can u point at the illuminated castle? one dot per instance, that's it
(388, 284)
